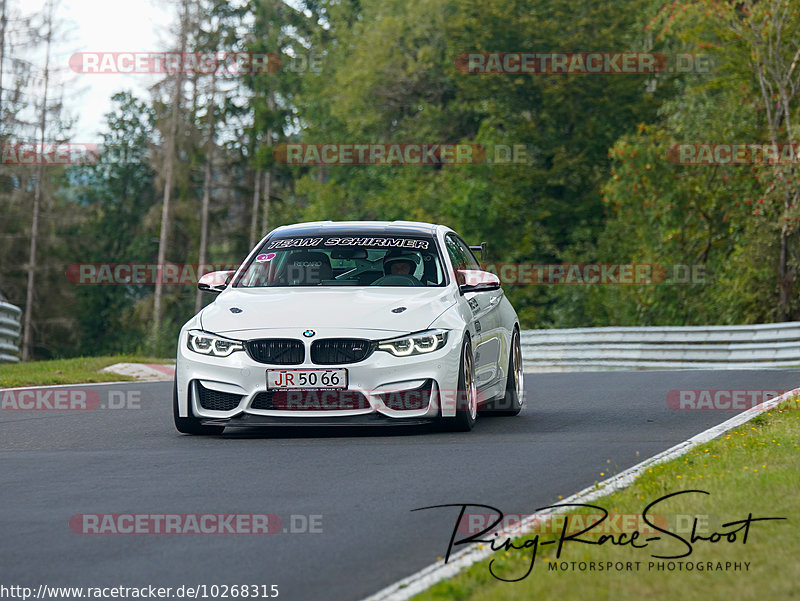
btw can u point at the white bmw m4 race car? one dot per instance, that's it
(350, 323)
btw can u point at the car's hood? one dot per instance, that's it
(240, 309)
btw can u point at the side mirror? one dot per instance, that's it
(475, 280)
(481, 248)
(214, 281)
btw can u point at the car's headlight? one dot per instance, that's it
(415, 344)
(211, 344)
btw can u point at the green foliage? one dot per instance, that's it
(597, 184)
(393, 78)
(118, 200)
(727, 219)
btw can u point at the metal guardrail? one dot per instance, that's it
(9, 332)
(685, 347)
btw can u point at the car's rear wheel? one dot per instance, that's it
(511, 402)
(191, 424)
(466, 395)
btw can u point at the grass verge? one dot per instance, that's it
(78, 370)
(754, 468)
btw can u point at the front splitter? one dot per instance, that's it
(247, 420)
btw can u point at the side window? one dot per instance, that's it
(456, 254)
(470, 261)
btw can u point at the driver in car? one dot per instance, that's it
(399, 266)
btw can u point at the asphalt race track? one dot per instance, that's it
(54, 464)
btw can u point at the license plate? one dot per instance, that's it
(299, 379)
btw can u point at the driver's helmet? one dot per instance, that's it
(410, 260)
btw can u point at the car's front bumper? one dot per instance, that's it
(379, 374)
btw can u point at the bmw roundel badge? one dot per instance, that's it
(309, 333)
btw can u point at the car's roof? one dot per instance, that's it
(351, 227)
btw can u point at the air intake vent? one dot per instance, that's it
(337, 351)
(277, 351)
(310, 400)
(409, 400)
(217, 401)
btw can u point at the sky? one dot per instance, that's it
(101, 26)
(105, 27)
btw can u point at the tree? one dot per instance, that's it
(116, 198)
(771, 35)
(392, 77)
(288, 34)
(740, 222)
(171, 145)
(46, 111)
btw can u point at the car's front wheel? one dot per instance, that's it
(190, 425)
(466, 395)
(511, 402)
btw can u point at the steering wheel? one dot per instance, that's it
(397, 279)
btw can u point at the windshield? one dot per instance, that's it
(345, 260)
